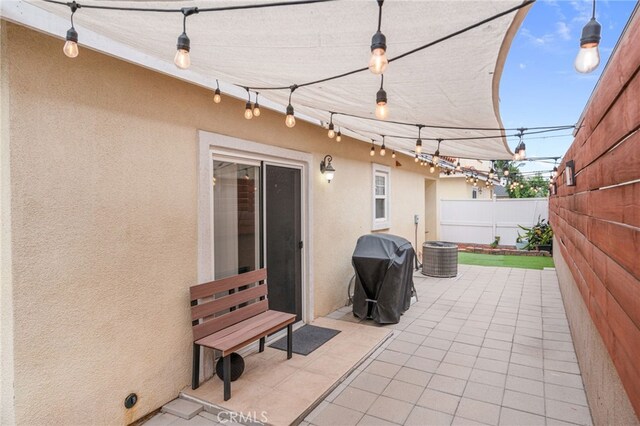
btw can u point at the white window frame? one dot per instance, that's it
(384, 222)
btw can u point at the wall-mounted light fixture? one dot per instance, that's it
(326, 168)
(570, 173)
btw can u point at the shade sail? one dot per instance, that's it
(454, 83)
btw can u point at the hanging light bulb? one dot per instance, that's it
(338, 136)
(505, 171)
(182, 59)
(256, 107)
(435, 159)
(248, 113)
(416, 159)
(381, 101)
(383, 148)
(290, 120)
(378, 61)
(393, 154)
(475, 183)
(71, 45)
(522, 151)
(331, 132)
(419, 142)
(491, 171)
(458, 166)
(432, 168)
(555, 172)
(588, 57)
(217, 97)
(372, 152)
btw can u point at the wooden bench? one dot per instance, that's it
(233, 320)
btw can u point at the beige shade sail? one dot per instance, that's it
(453, 83)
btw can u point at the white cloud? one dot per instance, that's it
(563, 30)
(542, 40)
(522, 66)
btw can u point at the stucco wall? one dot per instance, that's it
(103, 205)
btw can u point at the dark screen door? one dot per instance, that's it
(283, 238)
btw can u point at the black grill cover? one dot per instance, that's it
(384, 277)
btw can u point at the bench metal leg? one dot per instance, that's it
(226, 373)
(262, 339)
(289, 341)
(195, 371)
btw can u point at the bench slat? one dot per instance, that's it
(241, 334)
(216, 324)
(213, 307)
(209, 289)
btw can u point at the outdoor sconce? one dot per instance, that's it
(570, 173)
(326, 168)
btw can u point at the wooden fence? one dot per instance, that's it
(597, 221)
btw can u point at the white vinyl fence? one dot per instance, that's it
(479, 221)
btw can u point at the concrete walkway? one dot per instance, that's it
(491, 346)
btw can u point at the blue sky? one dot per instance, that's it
(539, 85)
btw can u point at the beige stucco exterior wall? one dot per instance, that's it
(6, 285)
(455, 188)
(103, 225)
(608, 400)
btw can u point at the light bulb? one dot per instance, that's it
(505, 171)
(432, 169)
(516, 156)
(182, 59)
(419, 146)
(378, 62)
(416, 159)
(393, 154)
(331, 132)
(588, 57)
(372, 152)
(248, 114)
(70, 49)
(436, 158)
(256, 110)
(381, 111)
(458, 167)
(290, 121)
(217, 98)
(338, 136)
(383, 151)
(491, 174)
(475, 183)
(71, 45)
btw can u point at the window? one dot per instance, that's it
(474, 193)
(381, 193)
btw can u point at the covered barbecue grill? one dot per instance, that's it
(384, 277)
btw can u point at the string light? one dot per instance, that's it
(505, 171)
(419, 141)
(331, 132)
(71, 45)
(458, 166)
(248, 113)
(338, 136)
(372, 152)
(393, 154)
(432, 168)
(256, 107)
(416, 159)
(182, 59)
(588, 57)
(290, 120)
(491, 171)
(383, 148)
(381, 101)
(378, 62)
(217, 96)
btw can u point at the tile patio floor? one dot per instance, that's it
(491, 346)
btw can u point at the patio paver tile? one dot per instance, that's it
(565, 394)
(453, 370)
(413, 376)
(511, 417)
(421, 416)
(334, 414)
(368, 420)
(439, 401)
(393, 357)
(422, 364)
(479, 411)
(381, 368)
(403, 391)
(523, 402)
(520, 384)
(568, 412)
(447, 384)
(483, 392)
(370, 382)
(356, 399)
(394, 410)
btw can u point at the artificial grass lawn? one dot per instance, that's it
(526, 262)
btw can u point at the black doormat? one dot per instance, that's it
(307, 339)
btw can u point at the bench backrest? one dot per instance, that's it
(238, 303)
